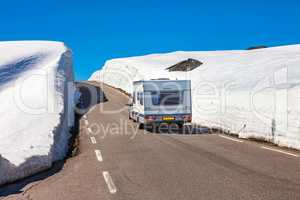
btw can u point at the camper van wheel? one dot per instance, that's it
(141, 126)
(180, 125)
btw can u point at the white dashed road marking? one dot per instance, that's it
(110, 184)
(230, 138)
(99, 155)
(86, 122)
(93, 140)
(279, 151)
(90, 130)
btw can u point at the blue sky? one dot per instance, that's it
(101, 30)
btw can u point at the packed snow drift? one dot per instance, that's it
(36, 91)
(251, 93)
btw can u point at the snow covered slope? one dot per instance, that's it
(251, 93)
(36, 109)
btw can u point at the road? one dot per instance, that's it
(119, 161)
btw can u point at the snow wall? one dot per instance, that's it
(36, 98)
(253, 94)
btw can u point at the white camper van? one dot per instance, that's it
(161, 101)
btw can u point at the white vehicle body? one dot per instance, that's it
(161, 101)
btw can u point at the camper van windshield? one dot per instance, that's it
(165, 98)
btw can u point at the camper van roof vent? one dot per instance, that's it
(185, 65)
(160, 79)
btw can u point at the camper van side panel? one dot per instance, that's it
(139, 101)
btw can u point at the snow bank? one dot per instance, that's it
(36, 106)
(254, 94)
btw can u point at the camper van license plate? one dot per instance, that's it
(168, 118)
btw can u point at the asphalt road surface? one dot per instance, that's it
(119, 161)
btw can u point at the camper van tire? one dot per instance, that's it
(180, 125)
(141, 126)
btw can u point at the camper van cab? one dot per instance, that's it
(161, 101)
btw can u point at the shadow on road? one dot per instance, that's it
(19, 186)
(90, 96)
